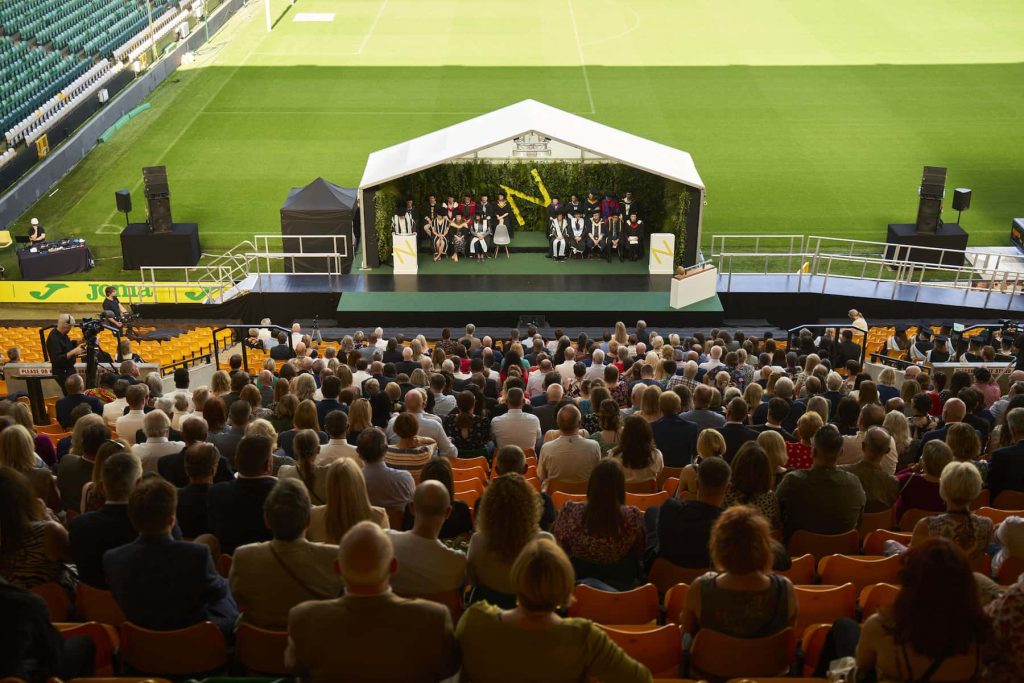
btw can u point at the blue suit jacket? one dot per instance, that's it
(68, 403)
(676, 438)
(327, 405)
(94, 533)
(1006, 469)
(163, 584)
(235, 511)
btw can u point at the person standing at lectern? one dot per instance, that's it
(402, 223)
(62, 351)
(36, 233)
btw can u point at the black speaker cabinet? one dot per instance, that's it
(961, 199)
(933, 181)
(160, 213)
(928, 214)
(154, 181)
(124, 200)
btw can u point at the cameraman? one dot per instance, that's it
(62, 351)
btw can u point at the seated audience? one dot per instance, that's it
(710, 444)
(679, 530)
(735, 431)
(570, 457)
(227, 440)
(459, 522)
(347, 505)
(33, 548)
(387, 487)
(172, 467)
(1006, 659)
(742, 598)
(429, 425)
(493, 640)
(76, 471)
(753, 483)
(800, 453)
(468, 430)
(674, 436)
(512, 460)
(516, 427)
(387, 638)
(201, 460)
(959, 485)
(74, 386)
(336, 424)
(306, 450)
(823, 499)
(1006, 465)
(425, 565)
(411, 451)
(17, 451)
(271, 577)
(881, 489)
(641, 461)
(156, 426)
(131, 422)
(608, 422)
(160, 583)
(701, 415)
(235, 508)
(920, 490)
(115, 409)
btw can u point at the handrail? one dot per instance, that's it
(241, 326)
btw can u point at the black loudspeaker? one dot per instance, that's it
(159, 213)
(154, 181)
(928, 212)
(961, 199)
(124, 201)
(933, 182)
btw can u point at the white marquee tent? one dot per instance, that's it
(492, 136)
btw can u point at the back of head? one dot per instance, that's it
(778, 409)
(201, 460)
(156, 424)
(365, 557)
(194, 429)
(959, 483)
(252, 457)
(935, 457)
(406, 426)
(510, 459)
(515, 398)
(241, 412)
(509, 515)
(827, 443)
(431, 501)
(871, 415)
(741, 541)
(152, 506)
(713, 475)
(568, 419)
(542, 576)
(737, 411)
(287, 509)
(372, 444)
(336, 424)
(120, 473)
(876, 444)
(94, 436)
(136, 396)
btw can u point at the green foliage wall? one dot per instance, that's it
(663, 204)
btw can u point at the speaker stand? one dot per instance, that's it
(126, 219)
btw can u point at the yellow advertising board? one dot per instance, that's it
(26, 291)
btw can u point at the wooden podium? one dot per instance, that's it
(404, 253)
(693, 285)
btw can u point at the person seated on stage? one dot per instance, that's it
(450, 208)
(634, 237)
(558, 231)
(555, 207)
(459, 236)
(577, 235)
(439, 231)
(467, 207)
(503, 214)
(597, 237)
(615, 236)
(610, 206)
(628, 205)
(574, 205)
(36, 233)
(478, 243)
(592, 203)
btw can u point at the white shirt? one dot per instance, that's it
(153, 449)
(860, 324)
(430, 426)
(178, 419)
(127, 425)
(113, 410)
(595, 372)
(516, 428)
(853, 452)
(535, 383)
(425, 565)
(360, 376)
(296, 338)
(443, 404)
(336, 449)
(565, 369)
(568, 458)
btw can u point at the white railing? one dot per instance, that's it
(142, 41)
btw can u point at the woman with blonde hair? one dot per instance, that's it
(753, 396)
(437, 359)
(775, 447)
(620, 335)
(93, 494)
(220, 384)
(821, 406)
(347, 504)
(542, 580)
(508, 518)
(306, 447)
(898, 426)
(41, 443)
(304, 387)
(886, 385)
(650, 409)
(959, 485)
(199, 398)
(17, 451)
(800, 453)
(344, 375)
(710, 444)
(81, 425)
(360, 417)
(305, 418)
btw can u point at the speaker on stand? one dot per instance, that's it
(124, 203)
(158, 198)
(961, 201)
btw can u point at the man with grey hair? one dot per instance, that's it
(871, 415)
(1006, 465)
(535, 381)
(784, 389)
(74, 387)
(880, 487)
(407, 364)
(595, 372)
(701, 415)
(420, 646)
(425, 565)
(566, 369)
(569, 457)
(430, 425)
(378, 339)
(156, 426)
(1016, 389)
(470, 338)
(688, 379)
(271, 577)
(62, 352)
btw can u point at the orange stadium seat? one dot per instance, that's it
(193, 650)
(801, 570)
(824, 604)
(721, 656)
(559, 498)
(1009, 500)
(859, 570)
(874, 543)
(997, 516)
(820, 545)
(659, 649)
(261, 651)
(664, 575)
(874, 597)
(96, 604)
(873, 521)
(554, 485)
(911, 517)
(56, 598)
(638, 606)
(675, 600)
(646, 500)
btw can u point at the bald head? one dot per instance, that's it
(876, 444)
(414, 401)
(431, 500)
(911, 372)
(954, 410)
(555, 393)
(366, 559)
(569, 420)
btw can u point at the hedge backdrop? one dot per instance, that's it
(663, 203)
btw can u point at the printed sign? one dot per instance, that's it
(27, 291)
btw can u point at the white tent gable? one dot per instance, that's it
(487, 130)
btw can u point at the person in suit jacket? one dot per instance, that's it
(1006, 465)
(735, 430)
(548, 412)
(73, 396)
(172, 467)
(330, 388)
(160, 583)
(778, 410)
(421, 631)
(406, 364)
(227, 440)
(270, 578)
(674, 436)
(235, 508)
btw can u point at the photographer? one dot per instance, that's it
(62, 351)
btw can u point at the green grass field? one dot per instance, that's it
(803, 116)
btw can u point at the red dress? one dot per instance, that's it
(801, 456)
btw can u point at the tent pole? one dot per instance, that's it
(266, 6)
(362, 228)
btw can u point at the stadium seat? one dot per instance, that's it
(104, 638)
(874, 544)
(1009, 571)
(982, 500)
(450, 599)
(224, 565)
(261, 651)
(675, 599)
(638, 606)
(96, 604)
(721, 656)
(559, 498)
(668, 473)
(801, 570)
(1009, 500)
(997, 516)
(664, 574)
(469, 496)
(467, 485)
(659, 649)
(876, 596)
(872, 521)
(824, 604)
(812, 642)
(467, 473)
(821, 545)
(911, 517)
(642, 487)
(56, 598)
(193, 650)
(646, 500)
(469, 463)
(555, 485)
(670, 486)
(859, 570)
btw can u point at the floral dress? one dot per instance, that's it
(973, 534)
(478, 434)
(765, 503)
(571, 533)
(801, 455)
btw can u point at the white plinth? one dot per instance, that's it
(695, 286)
(662, 253)
(404, 252)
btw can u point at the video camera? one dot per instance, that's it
(91, 328)
(1011, 328)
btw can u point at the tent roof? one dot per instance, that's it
(319, 195)
(518, 119)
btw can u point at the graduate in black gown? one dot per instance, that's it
(574, 204)
(628, 205)
(430, 211)
(450, 207)
(634, 237)
(479, 232)
(577, 235)
(615, 236)
(591, 203)
(554, 209)
(597, 236)
(439, 233)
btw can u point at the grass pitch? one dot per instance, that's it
(802, 116)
